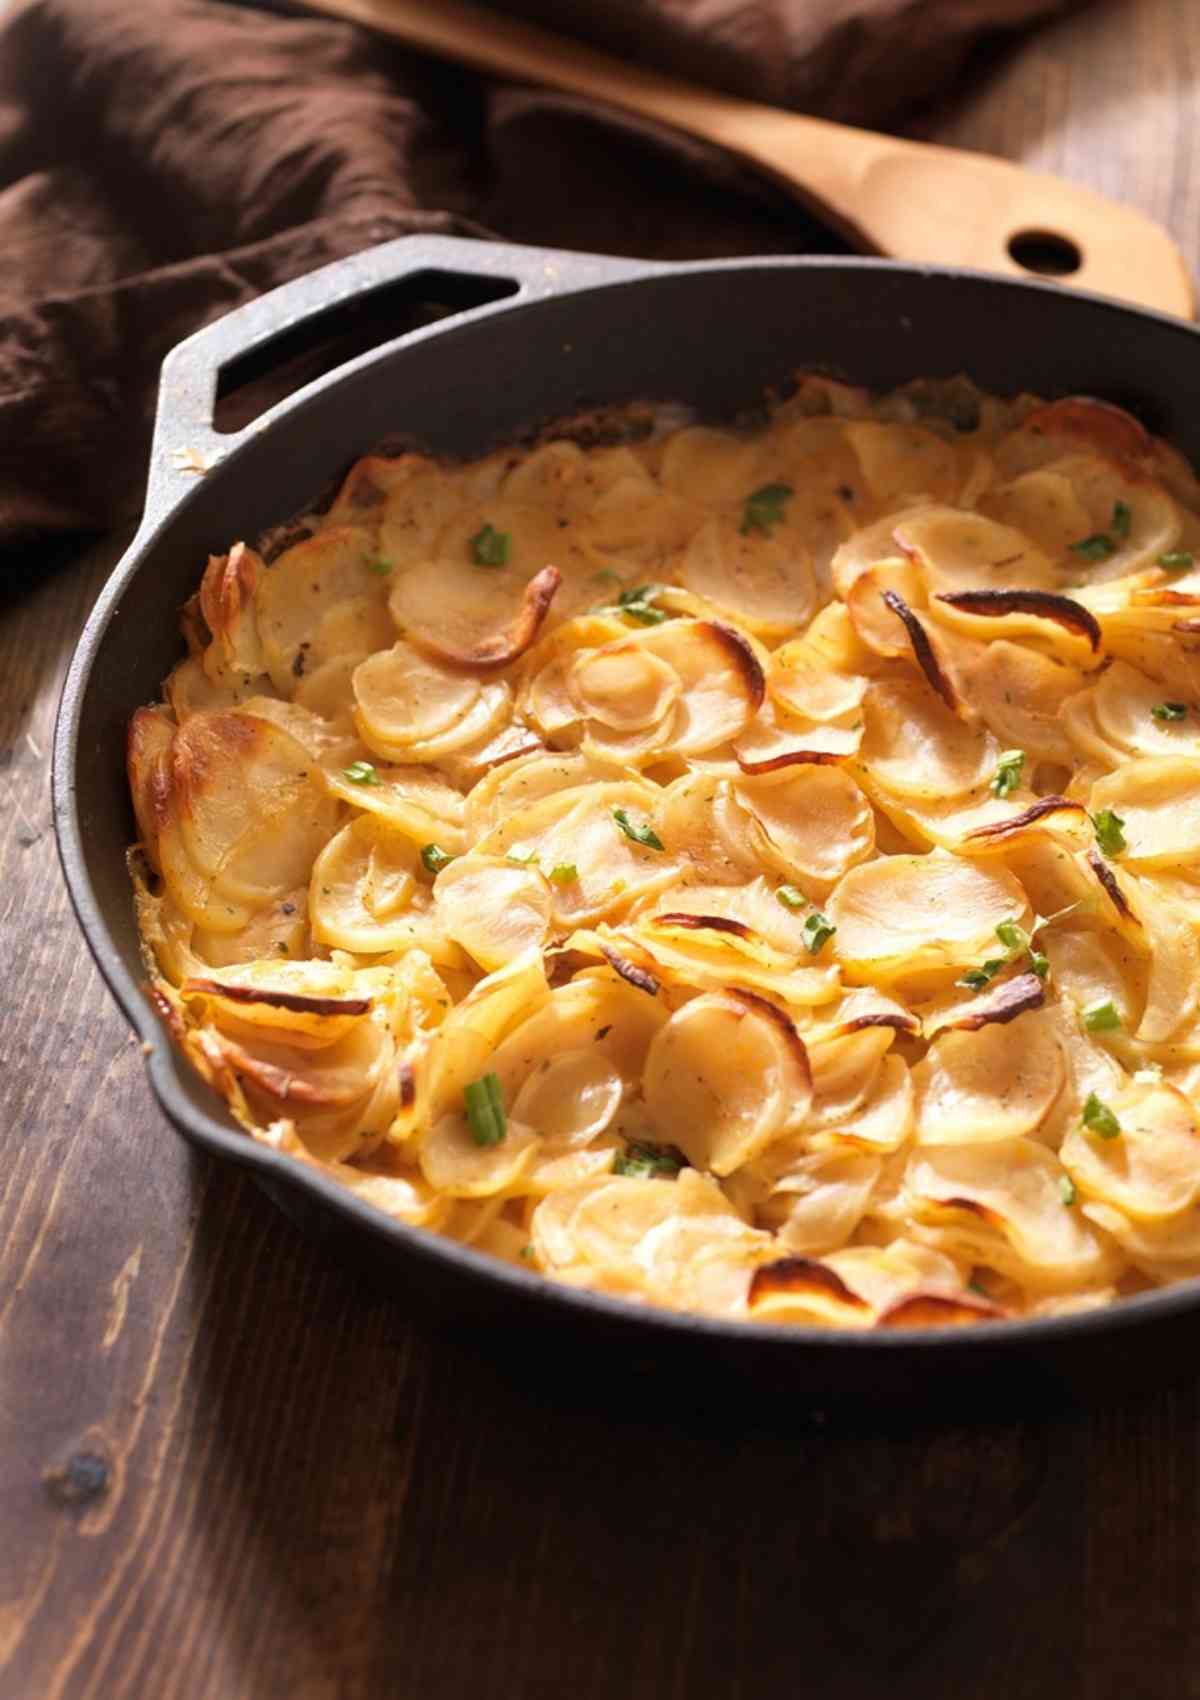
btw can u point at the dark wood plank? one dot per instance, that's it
(229, 1467)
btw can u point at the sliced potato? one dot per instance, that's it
(802, 683)
(815, 821)
(403, 697)
(914, 746)
(414, 800)
(920, 909)
(296, 594)
(1000, 1204)
(725, 1075)
(1158, 801)
(967, 551)
(623, 686)
(764, 582)
(1020, 694)
(819, 1200)
(494, 909)
(1151, 1170)
(996, 1083)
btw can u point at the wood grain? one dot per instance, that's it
(230, 1468)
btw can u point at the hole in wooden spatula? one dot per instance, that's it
(1044, 252)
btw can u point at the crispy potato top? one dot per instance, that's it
(753, 871)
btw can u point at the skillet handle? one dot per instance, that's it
(186, 443)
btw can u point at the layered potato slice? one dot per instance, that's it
(681, 687)
(1000, 1203)
(238, 815)
(749, 868)
(898, 915)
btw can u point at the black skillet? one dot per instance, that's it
(541, 335)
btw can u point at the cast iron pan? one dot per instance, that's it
(539, 336)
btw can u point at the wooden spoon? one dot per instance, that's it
(911, 200)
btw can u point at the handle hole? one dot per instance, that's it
(1045, 252)
(251, 383)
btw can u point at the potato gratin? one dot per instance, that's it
(753, 872)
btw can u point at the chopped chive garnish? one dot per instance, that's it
(1176, 560)
(1098, 547)
(816, 930)
(1102, 1016)
(566, 873)
(485, 1110)
(637, 604)
(434, 858)
(1008, 772)
(1015, 941)
(491, 548)
(1097, 1116)
(791, 897)
(642, 1162)
(644, 834)
(1122, 518)
(1166, 711)
(380, 567)
(764, 508)
(1012, 937)
(362, 773)
(522, 858)
(1109, 836)
(1066, 1189)
(975, 979)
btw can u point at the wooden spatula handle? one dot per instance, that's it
(911, 200)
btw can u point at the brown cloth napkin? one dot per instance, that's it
(162, 163)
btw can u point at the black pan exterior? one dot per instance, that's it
(579, 333)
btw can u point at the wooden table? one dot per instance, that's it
(230, 1469)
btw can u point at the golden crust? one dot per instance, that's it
(755, 872)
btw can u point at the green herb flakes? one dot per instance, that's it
(380, 567)
(816, 930)
(1098, 547)
(1066, 1190)
(1008, 772)
(484, 1103)
(975, 979)
(644, 834)
(1109, 836)
(764, 508)
(491, 548)
(522, 858)
(1099, 1118)
(1013, 938)
(637, 604)
(434, 858)
(565, 873)
(791, 897)
(640, 1161)
(362, 773)
(1168, 711)
(1122, 519)
(1176, 560)
(1102, 1016)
